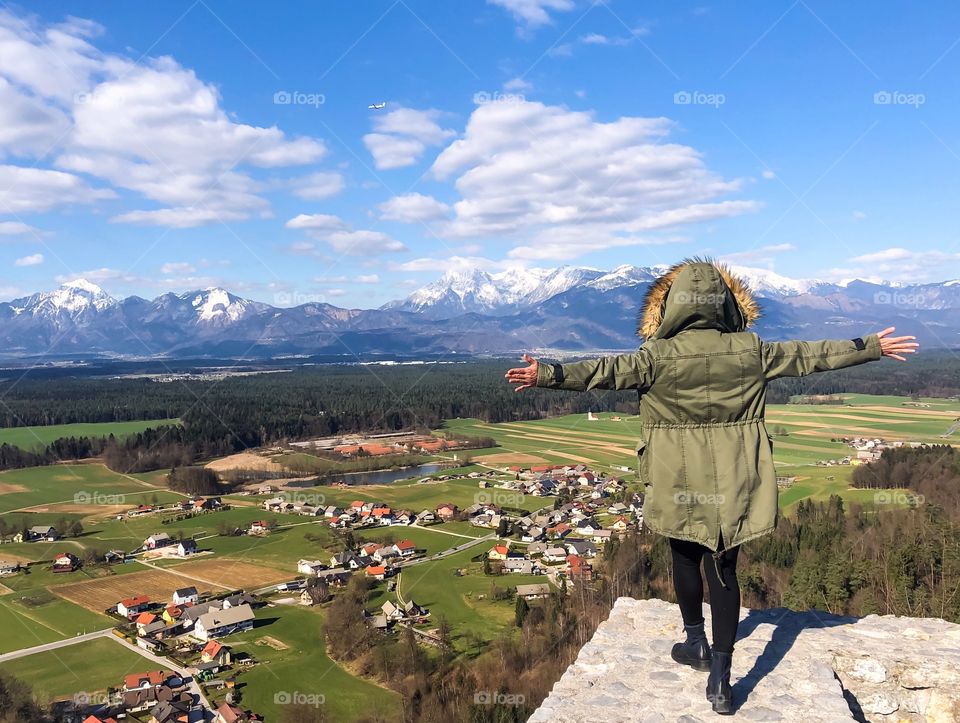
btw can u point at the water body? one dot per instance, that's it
(376, 477)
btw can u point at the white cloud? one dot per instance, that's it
(899, 264)
(16, 228)
(336, 233)
(565, 184)
(401, 136)
(29, 190)
(449, 263)
(768, 174)
(316, 222)
(318, 186)
(368, 279)
(890, 254)
(517, 85)
(412, 208)
(177, 267)
(858, 215)
(32, 260)
(533, 13)
(361, 243)
(152, 127)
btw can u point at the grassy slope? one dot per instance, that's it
(33, 437)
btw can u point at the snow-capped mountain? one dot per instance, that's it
(464, 312)
(72, 300)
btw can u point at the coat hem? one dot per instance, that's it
(711, 545)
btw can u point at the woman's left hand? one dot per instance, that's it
(524, 376)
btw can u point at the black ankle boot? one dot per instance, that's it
(695, 652)
(718, 683)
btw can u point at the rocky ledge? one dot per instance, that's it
(787, 666)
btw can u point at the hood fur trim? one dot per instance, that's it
(654, 305)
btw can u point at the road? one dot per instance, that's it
(164, 663)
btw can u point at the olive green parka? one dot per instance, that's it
(705, 456)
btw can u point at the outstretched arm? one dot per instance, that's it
(624, 371)
(799, 358)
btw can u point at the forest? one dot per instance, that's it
(236, 413)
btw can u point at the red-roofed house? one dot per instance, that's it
(499, 552)
(94, 719)
(132, 605)
(140, 681)
(406, 548)
(377, 571)
(215, 652)
(447, 511)
(65, 562)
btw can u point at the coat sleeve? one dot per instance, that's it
(799, 358)
(625, 371)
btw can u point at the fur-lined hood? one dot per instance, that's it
(696, 294)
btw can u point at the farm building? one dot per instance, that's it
(217, 623)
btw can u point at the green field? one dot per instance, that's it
(33, 437)
(47, 619)
(89, 667)
(305, 669)
(89, 484)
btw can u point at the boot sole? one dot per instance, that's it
(701, 665)
(721, 705)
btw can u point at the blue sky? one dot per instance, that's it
(179, 145)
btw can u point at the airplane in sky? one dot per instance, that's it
(377, 106)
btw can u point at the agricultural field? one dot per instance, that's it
(90, 486)
(101, 593)
(40, 617)
(288, 640)
(30, 438)
(89, 668)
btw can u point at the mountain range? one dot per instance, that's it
(566, 309)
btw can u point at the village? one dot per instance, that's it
(545, 520)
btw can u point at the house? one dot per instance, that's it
(392, 612)
(446, 511)
(186, 595)
(337, 576)
(172, 711)
(237, 599)
(133, 605)
(370, 548)
(94, 719)
(498, 552)
(186, 547)
(44, 533)
(143, 681)
(583, 548)
(217, 623)
(579, 568)
(536, 548)
(533, 592)
(345, 559)
(412, 610)
(172, 613)
(227, 713)
(555, 554)
(602, 536)
(143, 620)
(315, 594)
(113, 556)
(157, 540)
(378, 572)
(519, 565)
(386, 554)
(65, 562)
(310, 567)
(215, 652)
(426, 517)
(259, 527)
(9, 568)
(406, 548)
(140, 510)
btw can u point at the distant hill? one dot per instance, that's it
(469, 312)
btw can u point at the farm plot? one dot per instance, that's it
(232, 574)
(102, 593)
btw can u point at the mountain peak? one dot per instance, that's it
(82, 285)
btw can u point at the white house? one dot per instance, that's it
(186, 547)
(217, 623)
(158, 539)
(186, 595)
(310, 567)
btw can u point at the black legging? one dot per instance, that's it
(688, 584)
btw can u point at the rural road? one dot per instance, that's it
(24, 652)
(108, 633)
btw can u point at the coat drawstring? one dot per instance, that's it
(716, 563)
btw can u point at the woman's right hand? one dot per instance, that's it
(524, 376)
